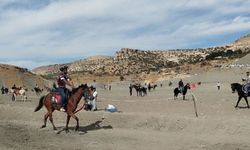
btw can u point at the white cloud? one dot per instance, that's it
(73, 29)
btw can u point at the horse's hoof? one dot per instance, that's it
(43, 126)
(67, 130)
(54, 128)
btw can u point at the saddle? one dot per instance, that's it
(56, 99)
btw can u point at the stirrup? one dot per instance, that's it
(62, 109)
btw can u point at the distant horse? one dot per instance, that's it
(38, 90)
(199, 83)
(140, 90)
(184, 92)
(151, 86)
(238, 87)
(18, 91)
(137, 88)
(52, 102)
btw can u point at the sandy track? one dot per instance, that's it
(155, 121)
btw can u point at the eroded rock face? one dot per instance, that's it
(133, 61)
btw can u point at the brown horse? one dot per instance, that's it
(49, 102)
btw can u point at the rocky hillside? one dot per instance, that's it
(242, 43)
(134, 61)
(10, 75)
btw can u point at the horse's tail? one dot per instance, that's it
(40, 105)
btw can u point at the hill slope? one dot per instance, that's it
(10, 75)
(244, 60)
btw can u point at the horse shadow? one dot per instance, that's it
(93, 126)
(243, 107)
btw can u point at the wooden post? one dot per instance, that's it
(195, 108)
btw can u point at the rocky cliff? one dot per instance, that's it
(129, 61)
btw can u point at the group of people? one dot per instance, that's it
(246, 84)
(65, 86)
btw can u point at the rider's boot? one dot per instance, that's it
(245, 93)
(62, 108)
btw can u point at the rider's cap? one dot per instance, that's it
(63, 68)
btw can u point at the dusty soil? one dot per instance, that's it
(155, 121)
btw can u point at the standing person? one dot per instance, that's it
(64, 84)
(181, 85)
(2, 89)
(246, 85)
(130, 89)
(37, 86)
(93, 98)
(218, 85)
(109, 86)
(170, 83)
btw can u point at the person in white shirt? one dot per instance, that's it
(93, 99)
(246, 86)
(218, 85)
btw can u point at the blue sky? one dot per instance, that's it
(42, 32)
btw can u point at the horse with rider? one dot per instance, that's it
(243, 90)
(18, 91)
(64, 98)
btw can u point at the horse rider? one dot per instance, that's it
(181, 85)
(13, 87)
(64, 85)
(246, 86)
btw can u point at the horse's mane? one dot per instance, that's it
(84, 86)
(235, 84)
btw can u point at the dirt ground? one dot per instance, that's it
(155, 121)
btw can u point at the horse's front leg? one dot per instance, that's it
(71, 114)
(238, 101)
(175, 96)
(13, 97)
(51, 120)
(67, 123)
(183, 97)
(45, 120)
(246, 102)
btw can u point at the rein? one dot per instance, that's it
(81, 106)
(79, 109)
